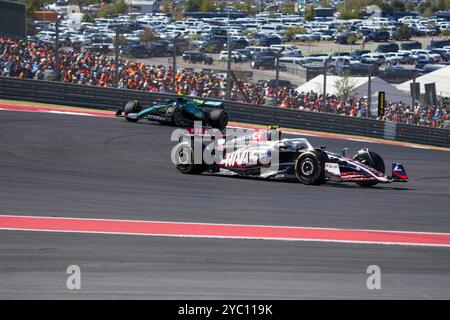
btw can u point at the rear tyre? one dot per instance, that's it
(219, 119)
(183, 157)
(373, 160)
(310, 167)
(132, 107)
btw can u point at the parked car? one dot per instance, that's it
(238, 44)
(445, 53)
(245, 53)
(263, 62)
(292, 62)
(359, 53)
(211, 46)
(422, 60)
(268, 40)
(194, 57)
(397, 74)
(422, 52)
(403, 57)
(338, 64)
(373, 58)
(135, 51)
(255, 50)
(159, 49)
(388, 47)
(411, 45)
(234, 55)
(361, 69)
(438, 44)
(345, 38)
(377, 36)
(273, 82)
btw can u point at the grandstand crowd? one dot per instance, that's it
(29, 60)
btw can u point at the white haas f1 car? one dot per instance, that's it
(260, 155)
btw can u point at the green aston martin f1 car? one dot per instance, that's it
(178, 112)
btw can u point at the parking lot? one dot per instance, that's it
(311, 47)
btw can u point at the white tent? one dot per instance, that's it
(360, 85)
(441, 77)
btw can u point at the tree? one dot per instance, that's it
(31, 6)
(245, 6)
(409, 5)
(344, 87)
(207, 6)
(350, 9)
(87, 17)
(192, 5)
(442, 5)
(122, 39)
(347, 14)
(325, 4)
(166, 8)
(310, 13)
(288, 8)
(445, 33)
(148, 35)
(292, 31)
(113, 9)
(403, 33)
(352, 38)
(428, 12)
(398, 5)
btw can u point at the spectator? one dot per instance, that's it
(28, 60)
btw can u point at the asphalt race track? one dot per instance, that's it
(92, 167)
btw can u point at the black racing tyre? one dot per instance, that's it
(219, 119)
(183, 158)
(176, 116)
(371, 159)
(132, 107)
(310, 167)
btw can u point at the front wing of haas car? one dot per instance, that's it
(350, 170)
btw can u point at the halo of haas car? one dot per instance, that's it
(251, 155)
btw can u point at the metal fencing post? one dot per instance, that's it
(116, 44)
(277, 76)
(369, 93)
(325, 66)
(413, 93)
(228, 93)
(58, 71)
(174, 61)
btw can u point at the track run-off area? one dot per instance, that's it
(81, 187)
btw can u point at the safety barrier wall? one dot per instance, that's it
(111, 98)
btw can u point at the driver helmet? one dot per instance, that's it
(273, 133)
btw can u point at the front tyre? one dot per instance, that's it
(175, 115)
(309, 167)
